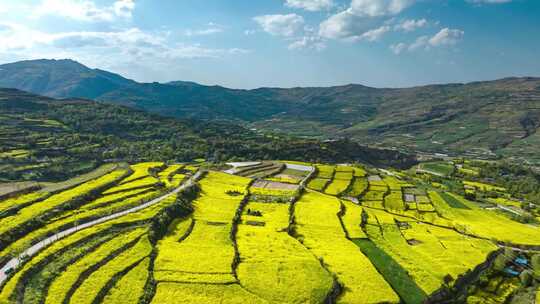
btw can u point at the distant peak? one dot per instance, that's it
(180, 83)
(49, 62)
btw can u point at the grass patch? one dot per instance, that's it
(439, 167)
(393, 273)
(453, 202)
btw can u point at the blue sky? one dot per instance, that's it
(286, 43)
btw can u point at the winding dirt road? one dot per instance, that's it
(15, 262)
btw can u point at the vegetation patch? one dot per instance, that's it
(393, 273)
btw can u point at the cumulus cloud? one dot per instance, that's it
(420, 42)
(410, 25)
(292, 29)
(348, 27)
(129, 45)
(313, 42)
(310, 5)
(85, 10)
(377, 8)
(343, 25)
(356, 21)
(281, 25)
(373, 35)
(445, 37)
(124, 8)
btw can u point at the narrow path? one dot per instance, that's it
(15, 262)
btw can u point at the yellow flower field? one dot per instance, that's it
(87, 291)
(321, 232)
(485, 223)
(130, 287)
(274, 265)
(61, 285)
(352, 220)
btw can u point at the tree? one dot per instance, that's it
(535, 263)
(526, 278)
(448, 279)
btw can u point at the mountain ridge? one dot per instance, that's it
(481, 118)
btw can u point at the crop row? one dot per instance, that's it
(200, 253)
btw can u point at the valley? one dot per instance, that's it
(269, 152)
(490, 119)
(387, 200)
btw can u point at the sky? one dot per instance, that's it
(281, 43)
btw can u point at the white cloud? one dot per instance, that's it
(446, 37)
(124, 8)
(130, 45)
(348, 27)
(356, 20)
(410, 25)
(374, 34)
(310, 5)
(308, 42)
(377, 8)
(281, 25)
(342, 25)
(420, 42)
(85, 10)
(398, 48)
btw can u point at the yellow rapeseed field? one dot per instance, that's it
(61, 285)
(90, 287)
(485, 223)
(130, 287)
(352, 220)
(321, 232)
(274, 265)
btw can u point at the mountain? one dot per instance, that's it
(46, 138)
(479, 119)
(60, 78)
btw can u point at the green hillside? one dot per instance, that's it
(44, 138)
(480, 119)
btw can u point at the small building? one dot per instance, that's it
(521, 261)
(403, 225)
(510, 271)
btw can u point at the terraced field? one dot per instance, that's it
(272, 232)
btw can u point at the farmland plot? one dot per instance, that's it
(43, 209)
(207, 253)
(342, 178)
(358, 187)
(483, 223)
(275, 266)
(352, 218)
(197, 268)
(325, 171)
(320, 230)
(426, 252)
(318, 184)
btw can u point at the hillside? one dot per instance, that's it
(266, 232)
(480, 119)
(48, 139)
